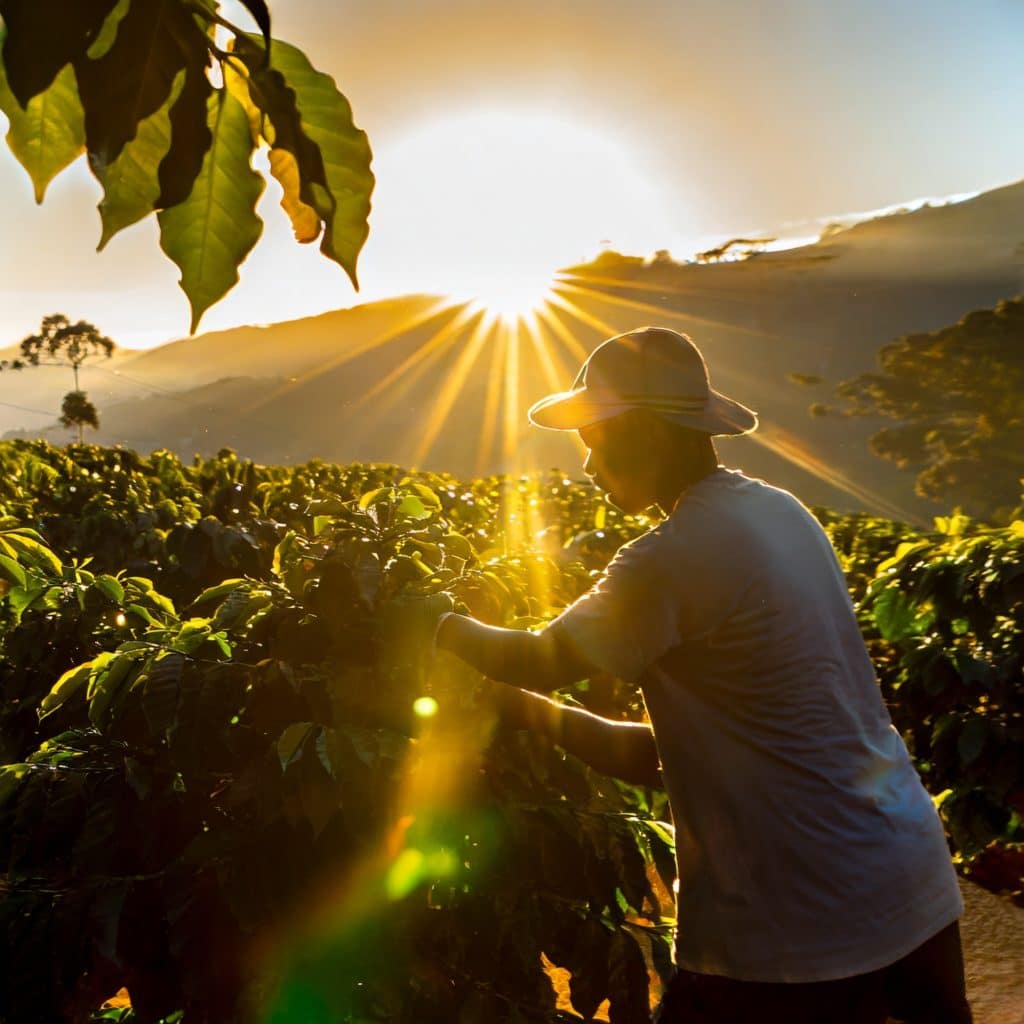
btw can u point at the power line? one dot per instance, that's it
(25, 408)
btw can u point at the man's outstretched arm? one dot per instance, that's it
(536, 663)
(542, 662)
(625, 750)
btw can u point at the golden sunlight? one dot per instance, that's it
(486, 204)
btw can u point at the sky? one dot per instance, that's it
(513, 138)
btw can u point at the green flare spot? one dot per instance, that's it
(405, 874)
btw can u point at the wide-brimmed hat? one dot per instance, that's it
(650, 368)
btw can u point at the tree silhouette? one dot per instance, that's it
(62, 343)
(77, 411)
(959, 396)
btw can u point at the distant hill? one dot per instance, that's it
(415, 380)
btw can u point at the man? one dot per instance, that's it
(814, 879)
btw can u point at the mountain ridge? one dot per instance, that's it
(376, 381)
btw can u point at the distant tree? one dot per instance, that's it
(77, 411)
(959, 396)
(169, 100)
(728, 249)
(62, 343)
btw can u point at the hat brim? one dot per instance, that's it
(571, 410)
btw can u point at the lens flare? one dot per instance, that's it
(424, 707)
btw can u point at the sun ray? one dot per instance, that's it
(442, 405)
(647, 307)
(512, 410)
(492, 402)
(596, 323)
(550, 319)
(554, 375)
(742, 289)
(786, 445)
(346, 353)
(398, 382)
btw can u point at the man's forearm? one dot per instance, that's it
(625, 750)
(533, 661)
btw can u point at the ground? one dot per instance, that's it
(992, 931)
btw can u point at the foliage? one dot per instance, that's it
(945, 621)
(222, 791)
(959, 396)
(199, 769)
(169, 100)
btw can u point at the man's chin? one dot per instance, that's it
(623, 504)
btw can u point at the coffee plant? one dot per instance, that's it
(222, 792)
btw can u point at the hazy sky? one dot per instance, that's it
(513, 137)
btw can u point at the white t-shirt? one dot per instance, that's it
(807, 847)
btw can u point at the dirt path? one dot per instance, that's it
(992, 931)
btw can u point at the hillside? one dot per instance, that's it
(420, 382)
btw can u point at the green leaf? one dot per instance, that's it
(155, 40)
(327, 120)
(335, 172)
(32, 550)
(50, 133)
(111, 586)
(212, 231)
(221, 590)
(130, 184)
(12, 570)
(65, 688)
(895, 616)
(291, 741)
(161, 601)
(108, 32)
(106, 687)
(372, 497)
(190, 138)
(144, 613)
(412, 508)
(43, 37)
(191, 635)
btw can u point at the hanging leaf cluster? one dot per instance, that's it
(169, 101)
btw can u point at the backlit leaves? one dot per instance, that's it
(326, 119)
(211, 232)
(133, 83)
(43, 36)
(130, 190)
(155, 40)
(47, 134)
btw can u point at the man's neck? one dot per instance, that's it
(674, 489)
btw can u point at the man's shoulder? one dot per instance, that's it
(732, 489)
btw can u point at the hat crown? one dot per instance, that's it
(647, 362)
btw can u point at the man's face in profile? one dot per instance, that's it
(619, 463)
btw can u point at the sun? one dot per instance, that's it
(488, 203)
(518, 296)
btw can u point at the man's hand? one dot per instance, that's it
(408, 634)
